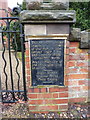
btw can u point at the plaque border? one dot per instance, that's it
(51, 38)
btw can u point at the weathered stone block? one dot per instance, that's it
(48, 4)
(75, 34)
(57, 29)
(85, 40)
(35, 30)
(54, 6)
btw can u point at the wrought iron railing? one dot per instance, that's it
(12, 32)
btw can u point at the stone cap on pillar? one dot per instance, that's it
(48, 11)
(48, 16)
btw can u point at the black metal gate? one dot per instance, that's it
(12, 41)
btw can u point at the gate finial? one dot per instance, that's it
(16, 11)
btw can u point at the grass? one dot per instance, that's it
(19, 55)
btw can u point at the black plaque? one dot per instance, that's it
(47, 62)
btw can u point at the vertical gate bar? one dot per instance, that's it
(18, 84)
(23, 61)
(4, 62)
(11, 73)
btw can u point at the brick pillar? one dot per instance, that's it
(43, 25)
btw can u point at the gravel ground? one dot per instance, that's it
(21, 110)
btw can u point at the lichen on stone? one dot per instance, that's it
(34, 5)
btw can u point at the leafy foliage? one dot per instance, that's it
(23, 5)
(82, 14)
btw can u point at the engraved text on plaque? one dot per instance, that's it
(47, 62)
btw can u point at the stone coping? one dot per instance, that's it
(48, 16)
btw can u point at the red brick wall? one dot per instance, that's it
(48, 99)
(77, 73)
(56, 98)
